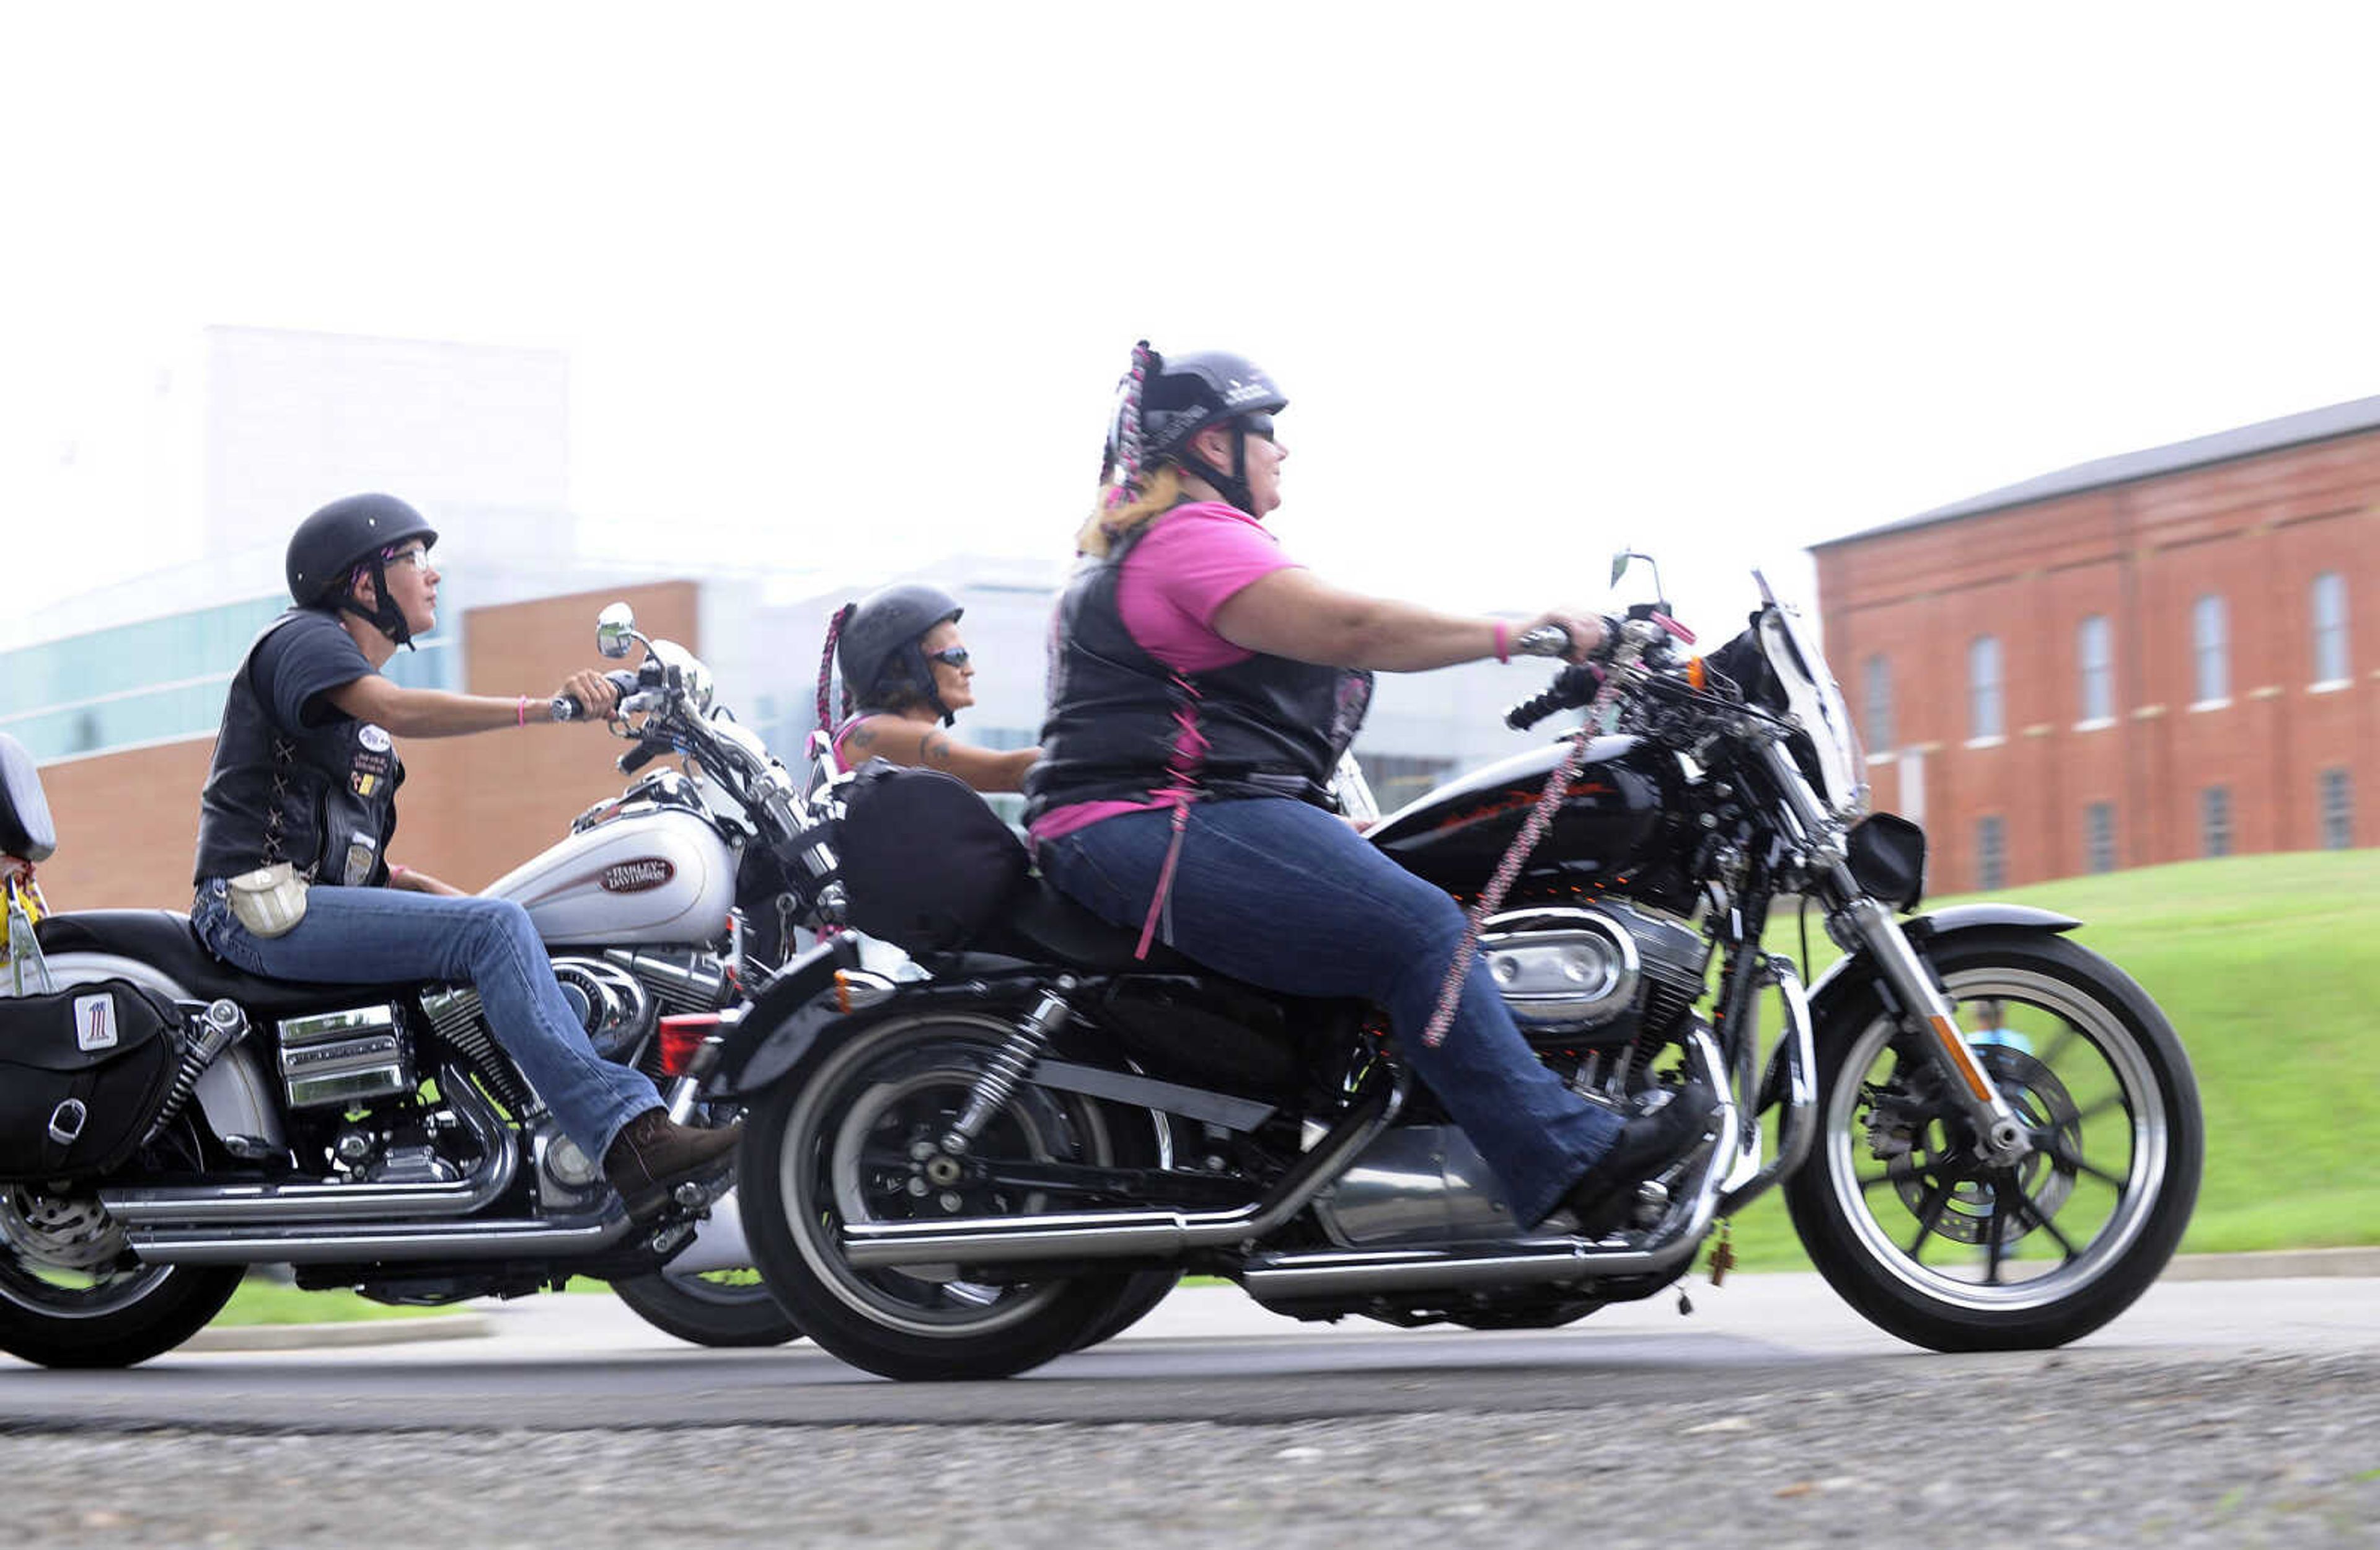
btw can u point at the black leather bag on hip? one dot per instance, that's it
(82, 1074)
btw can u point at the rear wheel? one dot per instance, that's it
(852, 1135)
(1950, 1251)
(72, 1294)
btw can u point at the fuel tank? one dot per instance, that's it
(654, 874)
(1609, 823)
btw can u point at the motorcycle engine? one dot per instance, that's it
(1602, 970)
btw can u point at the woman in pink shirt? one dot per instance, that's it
(1202, 688)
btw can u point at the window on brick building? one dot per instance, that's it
(1991, 855)
(2210, 643)
(2337, 800)
(1983, 687)
(2330, 662)
(2099, 837)
(2095, 655)
(2215, 821)
(1878, 678)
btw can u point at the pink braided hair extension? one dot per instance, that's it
(1128, 442)
(826, 669)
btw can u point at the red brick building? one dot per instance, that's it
(2151, 657)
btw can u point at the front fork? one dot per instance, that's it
(1857, 921)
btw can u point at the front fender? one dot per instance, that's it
(781, 1025)
(1925, 928)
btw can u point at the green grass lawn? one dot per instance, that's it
(2269, 968)
(2269, 965)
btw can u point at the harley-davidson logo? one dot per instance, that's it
(640, 875)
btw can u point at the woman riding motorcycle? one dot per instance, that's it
(302, 794)
(906, 672)
(1202, 688)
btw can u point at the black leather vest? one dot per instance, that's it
(272, 796)
(1120, 722)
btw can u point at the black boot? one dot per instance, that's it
(1664, 1125)
(652, 1155)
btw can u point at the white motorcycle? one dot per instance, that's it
(168, 1121)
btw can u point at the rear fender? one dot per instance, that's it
(780, 1027)
(1856, 969)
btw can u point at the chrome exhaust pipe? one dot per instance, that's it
(1125, 1234)
(1335, 1275)
(391, 1243)
(229, 1204)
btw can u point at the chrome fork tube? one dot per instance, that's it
(1856, 919)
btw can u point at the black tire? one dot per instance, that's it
(801, 1174)
(705, 1311)
(71, 1296)
(1891, 1175)
(1145, 1289)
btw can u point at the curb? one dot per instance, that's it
(357, 1332)
(2273, 1264)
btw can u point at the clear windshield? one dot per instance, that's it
(1815, 701)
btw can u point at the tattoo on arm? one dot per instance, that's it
(862, 737)
(936, 750)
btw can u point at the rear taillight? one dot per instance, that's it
(682, 1039)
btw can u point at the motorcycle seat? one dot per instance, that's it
(1044, 923)
(166, 941)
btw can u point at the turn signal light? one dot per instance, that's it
(1695, 676)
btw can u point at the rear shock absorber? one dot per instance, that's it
(221, 1026)
(1009, 1065)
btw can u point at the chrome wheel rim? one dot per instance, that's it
(2030, 1237)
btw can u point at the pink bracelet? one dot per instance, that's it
(1503, 642)
(520, 712)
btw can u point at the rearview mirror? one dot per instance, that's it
(1620, 565)
(615, 627)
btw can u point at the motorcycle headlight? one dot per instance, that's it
(1887, 856)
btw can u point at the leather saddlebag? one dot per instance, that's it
(82, 1073)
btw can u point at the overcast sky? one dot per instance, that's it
(855, 283)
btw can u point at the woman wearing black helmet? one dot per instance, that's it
(302, 797)
(1202, 688)
(906, 675)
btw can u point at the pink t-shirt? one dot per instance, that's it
(1190, 562)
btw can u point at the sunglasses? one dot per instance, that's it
(417, 558)
(949, 655)
(1258, 425)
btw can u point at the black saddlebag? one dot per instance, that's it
(82, 1073)
(925, 863)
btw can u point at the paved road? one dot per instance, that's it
(2215, 1413)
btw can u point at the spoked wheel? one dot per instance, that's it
(854, 1136)
(1951, 1252)
(72, 1294)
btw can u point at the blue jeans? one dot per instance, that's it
(1282, 894)
(372, 936)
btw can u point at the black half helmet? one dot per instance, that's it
(1182, 395)
(880, 650)
(354, 532)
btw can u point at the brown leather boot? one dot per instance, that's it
(651, 1156)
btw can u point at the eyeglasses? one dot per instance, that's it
(417, 558)
(949, 655)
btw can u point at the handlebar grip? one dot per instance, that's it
(1546, 640)
(1571, 686)
(636, 758)
(567, 708)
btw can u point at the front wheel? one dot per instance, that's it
(1946, 1251)
(725, 1308)
(852, 1135)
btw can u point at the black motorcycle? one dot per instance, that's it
(954, 1173)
